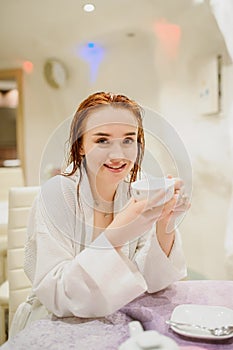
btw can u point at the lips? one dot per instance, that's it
(116, 168)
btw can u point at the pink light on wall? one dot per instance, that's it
(28, 66)
(168, 35)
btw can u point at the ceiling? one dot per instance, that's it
(32, 30)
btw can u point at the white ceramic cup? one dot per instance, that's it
(150, 187)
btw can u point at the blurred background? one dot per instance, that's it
(172, 56)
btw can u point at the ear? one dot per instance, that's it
(82, 152)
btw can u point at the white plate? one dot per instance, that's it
(209, 316)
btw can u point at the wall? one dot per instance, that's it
(208, 142)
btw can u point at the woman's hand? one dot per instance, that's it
(136, 219)
(174, 210)
(139, 216)
(166, 224)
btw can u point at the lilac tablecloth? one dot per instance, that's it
(108, 333)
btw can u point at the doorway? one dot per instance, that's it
(11, 119)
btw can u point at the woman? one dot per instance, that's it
(91, 248)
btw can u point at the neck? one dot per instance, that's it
(103, 198)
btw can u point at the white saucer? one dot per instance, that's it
(209, 316)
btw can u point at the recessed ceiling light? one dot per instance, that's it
(88, 7)
(197, 2)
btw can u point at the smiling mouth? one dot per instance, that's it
(115, 167)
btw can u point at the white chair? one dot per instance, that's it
(20, 202)
(4, 300)
(9, 177)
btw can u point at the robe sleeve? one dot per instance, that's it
(93, 283)
(159, 270)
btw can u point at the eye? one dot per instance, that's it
(128, 141)
(102, 141)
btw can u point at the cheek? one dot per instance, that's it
(96, 155)
(131, 154)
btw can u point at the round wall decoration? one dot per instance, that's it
(55, 73)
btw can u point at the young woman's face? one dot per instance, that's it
(110, 143)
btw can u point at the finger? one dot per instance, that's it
(182, 200)
(183, 207)
(174, 215)
(171, 203)
(178, 183)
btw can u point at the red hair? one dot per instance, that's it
(93, 102)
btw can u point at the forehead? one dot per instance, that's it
(110, 116)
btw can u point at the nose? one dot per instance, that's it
(116, 151)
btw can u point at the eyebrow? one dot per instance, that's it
(105, 134)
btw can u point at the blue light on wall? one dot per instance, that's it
(93, 54)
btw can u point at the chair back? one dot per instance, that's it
(20, 203)
(10, 177)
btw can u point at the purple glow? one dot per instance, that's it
(93, 55)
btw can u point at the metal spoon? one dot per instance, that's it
(217, 331)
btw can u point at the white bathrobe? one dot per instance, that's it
(74, 276)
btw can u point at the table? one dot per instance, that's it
(108, 333)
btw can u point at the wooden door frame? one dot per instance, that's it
(17, 75)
